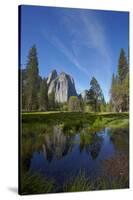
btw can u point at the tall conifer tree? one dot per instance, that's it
(32, 80)
(122, 66)
(95, 95)
(43, 96)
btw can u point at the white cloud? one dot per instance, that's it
(88, 31)
(59, 44)
(83, 30)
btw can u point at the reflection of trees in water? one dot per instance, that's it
(56, 144)
(91, 142)
(26, 162)
(120, 139)
(26, 153)
(95, 148)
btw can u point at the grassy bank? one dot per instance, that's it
(95, 120)
(115, 177)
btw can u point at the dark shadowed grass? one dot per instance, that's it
(78, 183)
(36, 184)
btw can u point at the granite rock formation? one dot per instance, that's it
(63, 85)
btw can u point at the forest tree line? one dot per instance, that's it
(35, 97)
(119, 91)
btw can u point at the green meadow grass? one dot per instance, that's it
(95, 120)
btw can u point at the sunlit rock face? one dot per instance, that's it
(52, 76)
(52, 86)
(63, 85)
(65, 88)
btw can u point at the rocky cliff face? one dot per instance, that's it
(52, 76)
(63, 86)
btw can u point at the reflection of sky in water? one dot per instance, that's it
(66, 157)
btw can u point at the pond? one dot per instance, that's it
(61, 154)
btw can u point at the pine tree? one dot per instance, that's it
(116, 94)
(113, 92)
(74, 104)
(122, 66)
(126, 89)
(120, 85)
(95, 95)
(32, 80)
(43, 96)
(51, 100)
(22, 88)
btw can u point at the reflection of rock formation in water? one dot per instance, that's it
(56, 144)
(91, 142)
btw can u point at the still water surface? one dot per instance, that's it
(62, 155)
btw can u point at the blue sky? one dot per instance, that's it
(81, 42)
